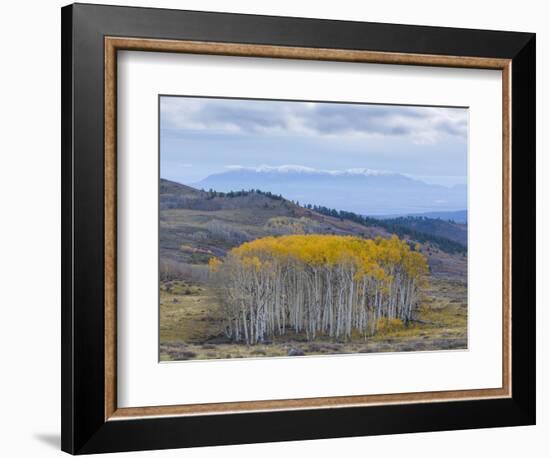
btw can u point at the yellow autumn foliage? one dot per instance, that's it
(369, 256)
(318, 284)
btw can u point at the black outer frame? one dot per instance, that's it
(84, 429)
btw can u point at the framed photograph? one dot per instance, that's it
(281, 228)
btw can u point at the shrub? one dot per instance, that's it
(388, 325)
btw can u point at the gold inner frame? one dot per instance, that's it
(114, 44)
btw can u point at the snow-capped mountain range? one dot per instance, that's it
(360, 190)
(309, 170)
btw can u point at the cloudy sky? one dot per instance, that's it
(202, 136)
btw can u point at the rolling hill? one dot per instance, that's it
(212, 222)
(196, 225)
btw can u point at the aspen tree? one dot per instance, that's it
(317, 285)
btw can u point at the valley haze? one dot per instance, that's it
(359, 190)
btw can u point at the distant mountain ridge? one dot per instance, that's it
(360, 190)
(311, 170)
(459, 216)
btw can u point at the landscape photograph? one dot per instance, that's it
(301, 228)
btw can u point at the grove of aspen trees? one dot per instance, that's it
(317, 285)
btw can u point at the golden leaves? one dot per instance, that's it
(371, 258)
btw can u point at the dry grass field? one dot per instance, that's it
(191, 327)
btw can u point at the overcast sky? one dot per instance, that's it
(202, 136)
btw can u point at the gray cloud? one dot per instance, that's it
(421, 124)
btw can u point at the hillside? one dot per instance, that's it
(445, 235)
(459, 216)
(196, 225)
(434, 226)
